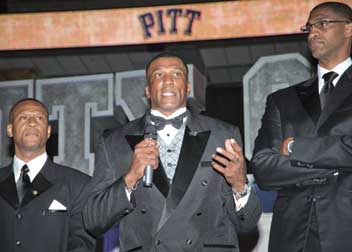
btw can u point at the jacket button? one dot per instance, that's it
(18, 216)
(188, 242)
(204, 183)
(157, 242)
(18, 243)
(143, 210)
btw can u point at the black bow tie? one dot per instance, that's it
(160, 122)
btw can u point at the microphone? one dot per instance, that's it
(150, 133)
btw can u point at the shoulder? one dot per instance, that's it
(69, 174)
(282, 93)
(126, 129)
(5, 172)
(213, 123)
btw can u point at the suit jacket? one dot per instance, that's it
(318, 169)
(198, 214)
(30, 226)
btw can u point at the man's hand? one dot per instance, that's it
(284, 146)
(145, 153)
(230, 163)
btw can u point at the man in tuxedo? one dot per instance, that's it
(304, 147)
(41, 202)
(199, 199)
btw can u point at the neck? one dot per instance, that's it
(330, 62)
(27, 156)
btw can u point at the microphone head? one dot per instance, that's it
(150, 132)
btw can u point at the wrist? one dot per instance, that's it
(239, 193)
(130, 183)
(290, 146)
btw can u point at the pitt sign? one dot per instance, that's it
(169, 21)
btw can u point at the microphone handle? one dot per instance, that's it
(148, 176)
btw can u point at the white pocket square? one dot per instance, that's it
(56, 205)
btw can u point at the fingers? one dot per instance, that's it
(229, 161)
(145, 153)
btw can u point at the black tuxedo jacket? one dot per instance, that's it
(31, 226)
(318, 168)
(199, 210)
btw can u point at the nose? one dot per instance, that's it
(32, 120)
(314, 31)
(168, 79)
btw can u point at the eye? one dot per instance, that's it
(322, 23)
(177, 74)
(40, 118)
(23, 117)
(158, 75)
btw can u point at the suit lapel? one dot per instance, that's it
(40, 184)
(192, 149)
(308, 93)
(342, 90)
(8, 189)
(194, 143)
(159, 179)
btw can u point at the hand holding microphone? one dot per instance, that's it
(144, 160)
(149, 133)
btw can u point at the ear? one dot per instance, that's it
(9, 130)
(49, 131)
(147, 91)
(188, 88)
(348, 30)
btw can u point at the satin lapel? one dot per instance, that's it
(8, 189)
(159, 179)
(308, 93)
(40, 183)
(193, 146)
(342, 90)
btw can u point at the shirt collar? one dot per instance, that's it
(176, 113)
(339, 69)
(34, 166)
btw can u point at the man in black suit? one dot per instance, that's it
(199, 201)
(41, 202)
(304, 147)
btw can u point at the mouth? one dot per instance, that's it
(167, 94)
(315, 42)
(31, 133)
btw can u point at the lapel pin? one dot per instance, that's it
(35, 192)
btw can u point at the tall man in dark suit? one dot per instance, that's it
(199, 200)
(40, 202)
(304, 146)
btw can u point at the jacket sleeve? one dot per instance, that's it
(79, 240)
(108, 202)
(328, 152)
(247, 218)
(272, 170)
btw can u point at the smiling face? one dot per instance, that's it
(168, 85)
(330, 45)
(29, 129)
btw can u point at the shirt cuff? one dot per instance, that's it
(128, 193)
(241, 202)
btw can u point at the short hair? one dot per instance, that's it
(25, 100)
(166, 54)
(339, 8)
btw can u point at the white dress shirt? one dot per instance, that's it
(34, 166)
(339, 69)
(168, 133)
